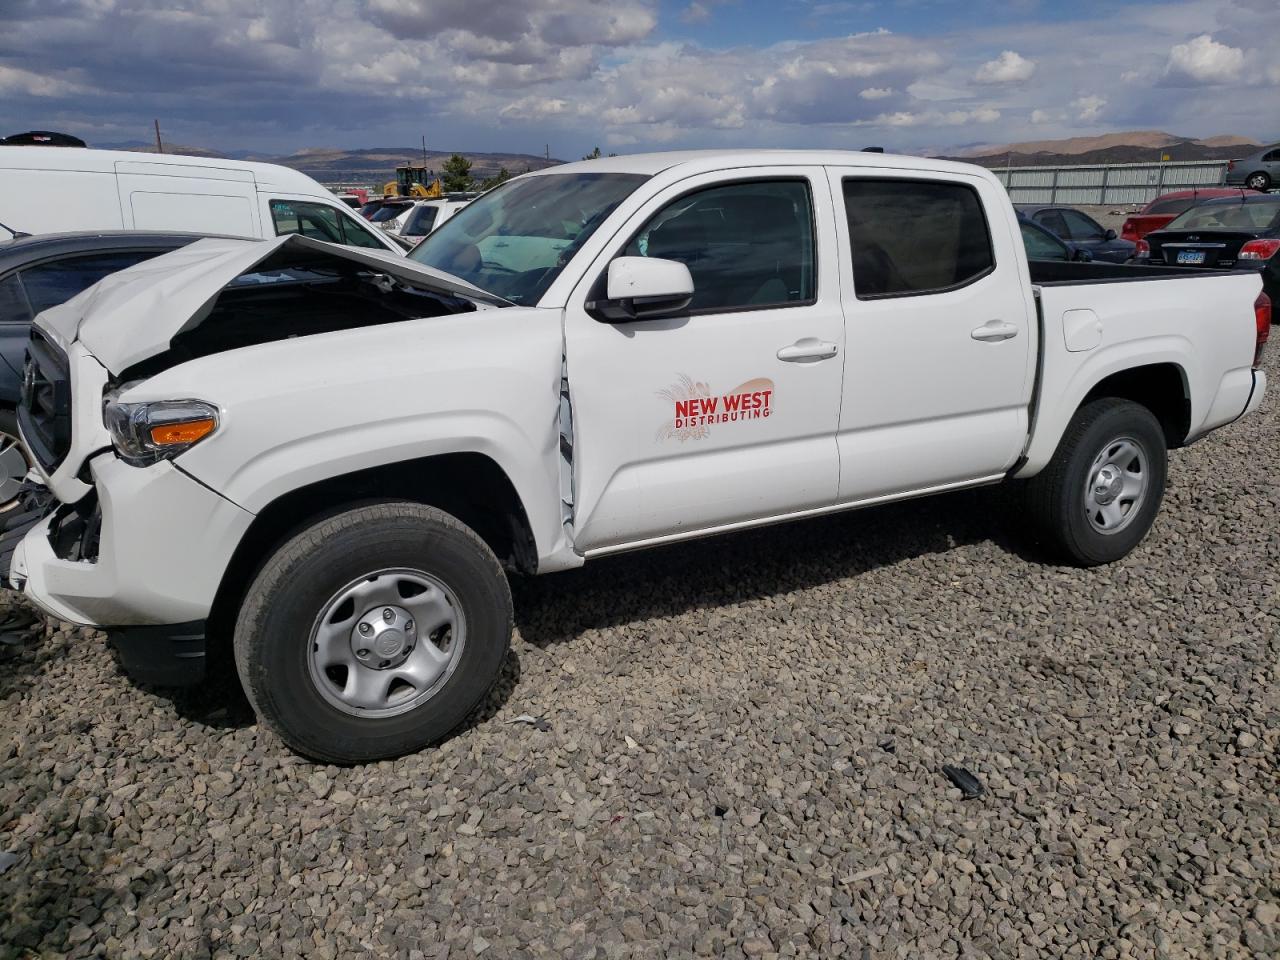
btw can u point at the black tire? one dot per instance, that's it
(1056, 497)
(1258, 181)
(274, 628)
(10, 449)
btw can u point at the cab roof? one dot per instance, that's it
(698, 161)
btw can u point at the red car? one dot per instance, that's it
(1161, 211)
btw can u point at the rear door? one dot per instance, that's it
(192, 199)
(728, 414)
(940, 347)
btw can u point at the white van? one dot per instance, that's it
(55, 189)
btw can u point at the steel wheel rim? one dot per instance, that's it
(386, 643)
(1116, 486)
(1258, 182)
(13, 469)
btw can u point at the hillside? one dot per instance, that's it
(1134, 146)
(375, 165)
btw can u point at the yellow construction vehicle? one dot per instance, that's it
(417, 182)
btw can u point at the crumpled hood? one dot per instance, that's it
(135, 313)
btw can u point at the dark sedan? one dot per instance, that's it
(37, 273)
(1226, 234)
(1080, 229)
(1043, 245)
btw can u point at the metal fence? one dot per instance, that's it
(1118, 183)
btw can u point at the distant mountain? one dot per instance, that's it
(1134, 146)
(375, 165)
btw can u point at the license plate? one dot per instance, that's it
(1191, 257)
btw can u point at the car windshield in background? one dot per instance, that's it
(389, 212)
(515, 240)
(1230, 216)
(420, 221)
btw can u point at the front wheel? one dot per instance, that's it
(1099, 495)
(373, 633)
(1258, 181)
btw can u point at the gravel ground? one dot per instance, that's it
(742, 756)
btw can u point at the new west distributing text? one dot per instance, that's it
(731, 407)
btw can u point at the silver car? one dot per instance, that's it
(1258, 172)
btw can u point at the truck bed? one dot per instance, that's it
(1061, 273)
(1186, 322)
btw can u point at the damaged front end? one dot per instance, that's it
(103, 549)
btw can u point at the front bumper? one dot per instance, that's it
(164, 544)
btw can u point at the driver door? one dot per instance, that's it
(726, 414)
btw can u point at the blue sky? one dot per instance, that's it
(912, 75)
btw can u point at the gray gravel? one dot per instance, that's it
(743, 758)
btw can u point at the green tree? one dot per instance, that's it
(593, 155)
(502, 176)
(456, 174)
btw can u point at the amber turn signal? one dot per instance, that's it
(170, 433)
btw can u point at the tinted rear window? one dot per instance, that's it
(915, 236)
(1230, 216)
(1171, 206)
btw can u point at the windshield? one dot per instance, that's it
(389, 212)
(1229, 216)
(420, 221)
(515, 240)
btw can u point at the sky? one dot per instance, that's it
(278, 76)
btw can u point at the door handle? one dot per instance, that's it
(808, 350)
(993, 331)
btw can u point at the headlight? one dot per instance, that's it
(145, 433)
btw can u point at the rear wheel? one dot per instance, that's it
(1100, 493)
(1258, 181)
(13, 461)
(373, 633)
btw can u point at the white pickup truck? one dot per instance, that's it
(327, 456)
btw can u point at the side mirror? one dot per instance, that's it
(1109, 235)
(643, 288)
(1083, 256)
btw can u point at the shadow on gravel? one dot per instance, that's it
(20, 657)
(496, 698)
(732, 568)
(217, 702)
(220, 704)
(56, 889)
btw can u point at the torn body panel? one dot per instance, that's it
(136, 314)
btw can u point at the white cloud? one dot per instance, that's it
(696, 13)
(876, 93)
(14, 80)
(1009, 67)
(933, 118)
(1088, 108)
(1205, 60)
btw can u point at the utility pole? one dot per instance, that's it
(159, 145)
(547, 152)
(424, 151)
